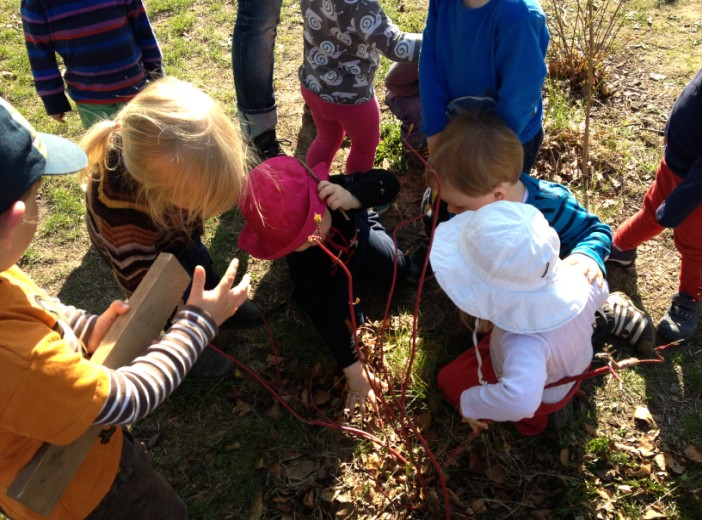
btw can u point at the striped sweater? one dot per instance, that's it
(578, 230)
(108, 48)
(122, 231)
(139, 388)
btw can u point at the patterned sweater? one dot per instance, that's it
(108, 48)
(343, 43)
(122, 231)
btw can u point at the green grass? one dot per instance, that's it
(222, 460)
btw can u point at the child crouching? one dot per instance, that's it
(501, 264)
(280, 200)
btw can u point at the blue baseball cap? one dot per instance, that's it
(26, 155)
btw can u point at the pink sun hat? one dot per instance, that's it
(279, 201)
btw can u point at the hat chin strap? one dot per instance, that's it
(477, 353)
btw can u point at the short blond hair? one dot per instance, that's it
(179, 145)
(475, 153)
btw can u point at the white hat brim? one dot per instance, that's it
(547, 308)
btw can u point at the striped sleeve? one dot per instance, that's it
(151, 55)
(579, 230)
(139, 388)
(81, 322)
(42, 57)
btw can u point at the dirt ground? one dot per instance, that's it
(610, 463)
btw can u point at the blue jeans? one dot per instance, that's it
(253, 42)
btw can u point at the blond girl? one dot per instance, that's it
(169, 160)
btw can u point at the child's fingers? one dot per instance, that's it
(230, 273)
(242, 291)
(198, 285)
(325, 193)
(117, 308)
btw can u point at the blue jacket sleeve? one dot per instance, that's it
(578, 230)
(683, 200)
(521, 67)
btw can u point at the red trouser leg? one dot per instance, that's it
(687, 236)
(462, 374)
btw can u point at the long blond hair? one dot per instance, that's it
(178, 145)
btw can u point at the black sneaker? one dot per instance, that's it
(268, 145)
(212, 366)
(626, 322)
(680, 320)
(623, 259)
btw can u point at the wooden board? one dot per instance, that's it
(42, 482)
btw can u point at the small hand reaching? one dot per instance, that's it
(589, 267)
(336, 196)
(475, 425)
(361, 383)
(224, 300)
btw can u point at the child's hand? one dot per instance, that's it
(337, 197)
(104, 323)
(589, 267)
(475, 425)
(224, 300)
(361, 387)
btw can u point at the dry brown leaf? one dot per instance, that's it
(565, 456)
(496, 474)
(241, 408)
(475, 463)
(309, 498)
(424, 420)
(660, 461)
(693, 453)
(321, 398)
(651, 514)
(642, 414)
(256, 507)
(478, 506)
(674, 465)
(290, 455)
(455, 499)
(643, 470)
(300, 470)
(274, 412)
(646, 452)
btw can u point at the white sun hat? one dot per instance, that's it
(500, 263)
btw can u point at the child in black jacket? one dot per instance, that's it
(284, 203)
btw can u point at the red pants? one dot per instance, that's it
(462, 373)
(333, 122)
(688, 236)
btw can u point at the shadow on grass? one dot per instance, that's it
(91, 285)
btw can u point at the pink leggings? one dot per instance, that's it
(334, 121)
(688, 235)
(462, 374)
